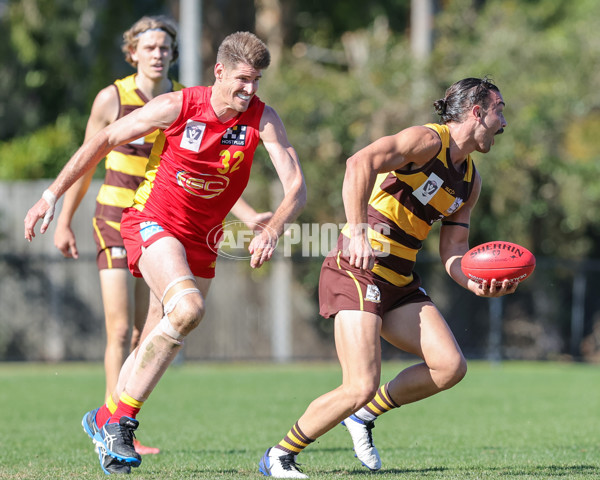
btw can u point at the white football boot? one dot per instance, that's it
(278, 464)
(365, 451)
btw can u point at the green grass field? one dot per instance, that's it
(511, 421)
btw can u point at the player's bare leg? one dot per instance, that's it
(183, 304)
(162, 343)
(141, 312)
(420, 328)
(154, 315)
(141, 295)
(115, 285)
(357, 340)
(115, 300)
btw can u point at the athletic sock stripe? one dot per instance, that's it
(388, 397)
(295, 441)
(384, 400)
(111, 405)
(300, 434)
(381, 403)
(289, 445)
(132, 402)
(374, 408)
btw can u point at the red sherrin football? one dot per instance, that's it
(499, 260)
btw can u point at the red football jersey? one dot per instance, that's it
(199, 167)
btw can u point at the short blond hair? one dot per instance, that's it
(243, 47)
(159, 22)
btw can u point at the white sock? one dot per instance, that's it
(364, 415)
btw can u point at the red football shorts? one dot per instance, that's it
(139, 232)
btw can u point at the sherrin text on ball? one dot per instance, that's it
(498, 260)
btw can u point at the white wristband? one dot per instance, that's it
(50, 199)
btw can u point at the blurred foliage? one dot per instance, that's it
(540, 185)
(57, 54)
(347, 78)
(324, 23)
(35, 155)
(41, 44)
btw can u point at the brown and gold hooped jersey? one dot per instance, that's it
(405, 204)
(126, 164)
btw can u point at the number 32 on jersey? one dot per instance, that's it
(230, 162)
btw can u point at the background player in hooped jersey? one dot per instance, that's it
(150, 46)
(199, 166)
(393, 192)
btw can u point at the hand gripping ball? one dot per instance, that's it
(498, 260)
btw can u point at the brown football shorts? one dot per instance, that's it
(110, 251)
(344, 287)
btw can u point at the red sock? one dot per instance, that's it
(127, 407)
(105, 411)
(102, 416)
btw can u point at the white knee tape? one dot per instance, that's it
(177, 280)
(170, 306)
(166, 326)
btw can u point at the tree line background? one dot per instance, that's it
(343, 75)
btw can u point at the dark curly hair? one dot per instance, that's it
(461, 96)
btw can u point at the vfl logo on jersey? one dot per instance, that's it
(428, 189)
(235, 135)
(204, 186)
(192, 135)
(147, 229)
(455, 206)
(373, 294)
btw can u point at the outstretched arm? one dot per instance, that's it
(454, 243)
(159, 113)
(287, 165)
(104, 111)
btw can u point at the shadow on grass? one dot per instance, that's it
(206, 457)
(541, 471)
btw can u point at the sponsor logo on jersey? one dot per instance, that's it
(192, 135)
(428, 189)
(147, 229)
(235, 135)
(455, 206)
(373, 294)
(205, 185)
